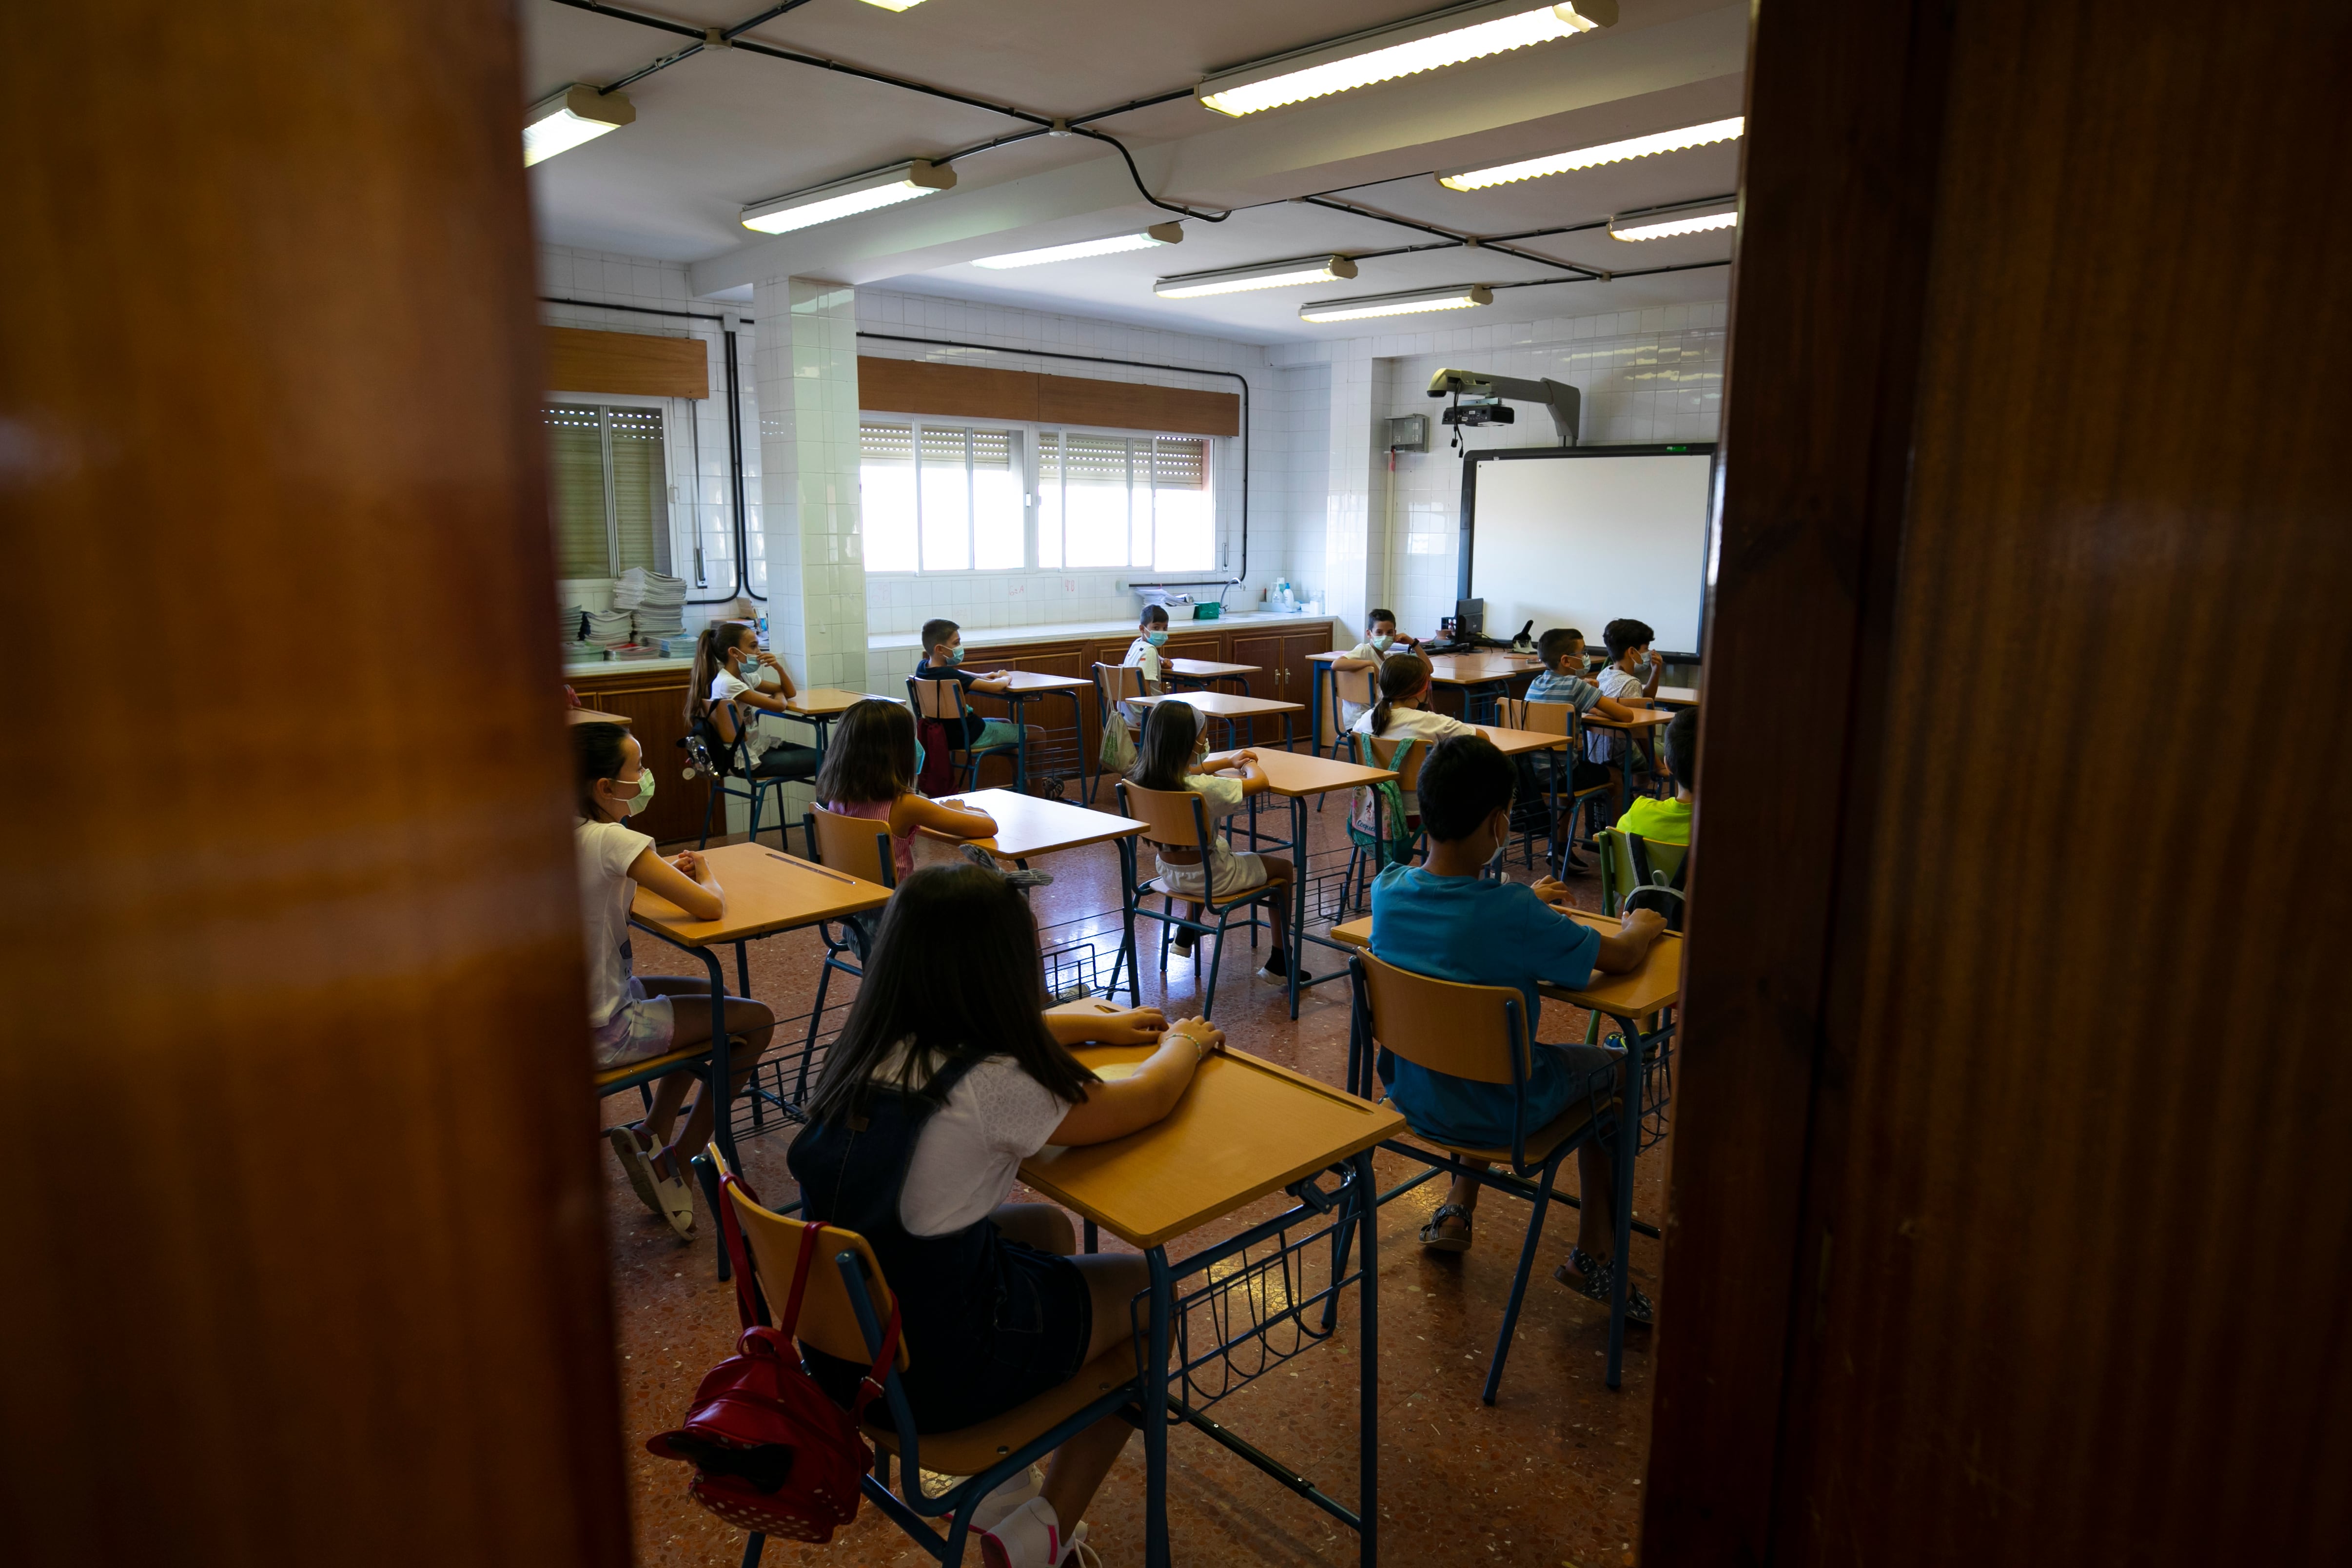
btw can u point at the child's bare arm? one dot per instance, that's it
(1114, 1110)
(687, 882)
(1623, 950)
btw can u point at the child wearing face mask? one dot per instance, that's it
(1439, 919)
(1379, 639)
(1174, 757)
(734, 681)
(634, 1017)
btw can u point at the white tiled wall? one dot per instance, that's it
(1652, 376)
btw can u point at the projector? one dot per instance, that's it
(1479, 414)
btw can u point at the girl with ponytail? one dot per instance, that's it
(1403, 712)
(730, 684)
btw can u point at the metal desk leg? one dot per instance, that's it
(1314, 708)
(1367, 1365)
(1079, 728)
(1155, 1413)
(1298, 896)
(722, 1118)
(1629, 1141)
(1128, 877)
(1019, 704)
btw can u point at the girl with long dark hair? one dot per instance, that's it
(1172, 756)
(869, 771)
(946, 1076)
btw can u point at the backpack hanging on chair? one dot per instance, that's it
(771, 1452)
(1653, 890)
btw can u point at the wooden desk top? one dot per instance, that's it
(1222, 704)
(1657, 984)
(597, 716)
(1245, 1128)
(766, 892)
(1642, 720)
(1026, 825)
(825, 702)
(1478, 668)
(1022, 681)
(1516, 743)
(1210, 670)
(1303, 773)
(1677, 696)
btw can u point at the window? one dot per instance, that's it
(942, 497)
(945, 498)
(609, 489)
(1125, 500)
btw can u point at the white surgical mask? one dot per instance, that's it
(636, 803)
(1381, 640)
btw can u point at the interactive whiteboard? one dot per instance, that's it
(1587, 535)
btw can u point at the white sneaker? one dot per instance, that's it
(1005, 1498)
(1028, 1537)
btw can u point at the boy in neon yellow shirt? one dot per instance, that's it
(1669, 821)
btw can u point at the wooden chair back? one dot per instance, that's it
(939, 699)
(1175, 817)
(828, 1322)
(857, 844)
(1405, 755)
(1538, 718)
(1360, 687)
(1118, 682)
(1469, 1031)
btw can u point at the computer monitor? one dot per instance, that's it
(1469, 619)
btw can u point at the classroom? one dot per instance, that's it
(938, 796)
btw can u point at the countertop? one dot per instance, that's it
(999, 637)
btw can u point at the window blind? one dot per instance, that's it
(577, 491)
(608, 489)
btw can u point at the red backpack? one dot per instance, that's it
(770, 1450)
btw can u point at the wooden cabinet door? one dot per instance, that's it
(1298, 673)
(655, 702)
(1050, 713)
(1265, 650)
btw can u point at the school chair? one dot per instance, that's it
(1565, 802)
(859, 847)
(844, 1302)
(1480, 1033)
(1114, 684)
(1362, 687)
(1179, 819)
(722, 760)
(942, 702)
(1630, 862)
(1385, 834)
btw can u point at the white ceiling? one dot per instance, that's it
(722, 129)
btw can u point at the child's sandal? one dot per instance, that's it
(1436, 1242)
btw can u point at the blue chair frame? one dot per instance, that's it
(964, 715)
(732, 759)
(1170, 920)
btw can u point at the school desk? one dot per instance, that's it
(819, 708)
(1209, 671)
(1519, 743)
(1638, 728)
(597, 716)
(1650, 990)
(1482, 678)
(766, 893)
(1231, 709)
(1676, 696)
(1023, 686)
(1246, 1128)
(1295, 776)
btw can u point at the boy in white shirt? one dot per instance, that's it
(1380, 637)
(1151, 635)
(1631, 678)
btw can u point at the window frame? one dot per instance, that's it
(1032, 500)
(667, 532)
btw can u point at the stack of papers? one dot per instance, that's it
(576, 652)
(608, 628)
(657, 603)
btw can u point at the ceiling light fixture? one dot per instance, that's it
(1660, 222)
(848, 198)
(1428, 43)
(561, 121)
(1266, 275)
(1460, 297)
(1158, 234)
(1592, 157)
(895, 5)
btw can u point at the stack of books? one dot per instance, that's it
(608, 628)
(657, 604)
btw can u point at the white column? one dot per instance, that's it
(807, 373)
(1353, 555)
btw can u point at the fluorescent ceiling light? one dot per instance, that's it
(1442, 39)
(1158, 234)
(895, 5)
(1696, 219)
(846, 198)
(561, 121)
(1268, 275)
(1460, 297)
(1592, 157)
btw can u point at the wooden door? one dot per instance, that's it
(2012, 1132)
(307, 1262)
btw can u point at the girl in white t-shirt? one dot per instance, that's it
(732, 685)
(632, 1017)
(947, 1074)
(1403, 714)
(1173, 756)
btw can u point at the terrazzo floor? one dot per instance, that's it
(1550, 1475)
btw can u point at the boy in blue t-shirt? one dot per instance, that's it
(1440, 920)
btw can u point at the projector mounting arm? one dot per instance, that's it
(1564, 401)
